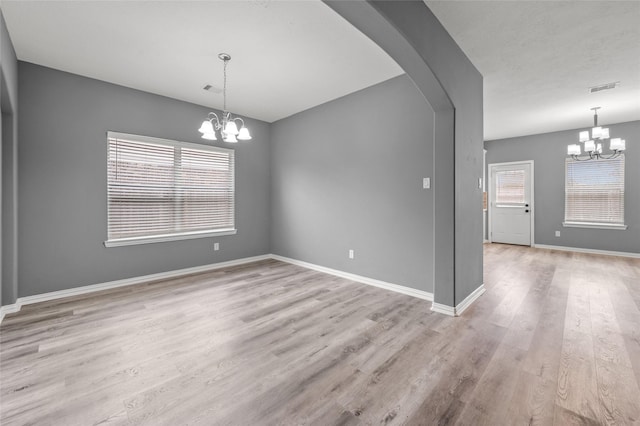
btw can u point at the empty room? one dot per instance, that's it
(319, 212)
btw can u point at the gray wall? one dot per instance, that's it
(61, 235)
(348, 175)
(8, 164)
(62, 182)
(548, 151)
(410, 33)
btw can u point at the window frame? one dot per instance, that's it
(594, 224)
(175, 236)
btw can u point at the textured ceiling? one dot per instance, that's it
(537, 57)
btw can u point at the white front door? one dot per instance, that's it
(511, 206)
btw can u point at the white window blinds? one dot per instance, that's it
(594, 191)
(161, 188)
(510, 187)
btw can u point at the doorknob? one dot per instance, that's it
(526, 205)
(526, 211)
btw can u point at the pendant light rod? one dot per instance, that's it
(595, 116)
(225, 57)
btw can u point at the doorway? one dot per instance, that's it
(511, 206)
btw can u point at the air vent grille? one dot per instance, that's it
(602, 87)
(212, 89)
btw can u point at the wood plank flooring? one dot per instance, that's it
(554, 340)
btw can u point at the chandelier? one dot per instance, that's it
(226, 124)
(593, 144)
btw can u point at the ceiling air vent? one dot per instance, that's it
(602, 87)
(212, 89)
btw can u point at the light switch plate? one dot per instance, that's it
(426, 183)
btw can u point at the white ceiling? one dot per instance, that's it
(537, 57)
(287, 56)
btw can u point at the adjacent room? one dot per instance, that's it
(316, 212)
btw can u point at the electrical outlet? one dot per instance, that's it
(351, 254)
(216, 246)
(557, 233)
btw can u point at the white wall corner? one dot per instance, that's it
(443, 309)
(8, 309)
(461, 307)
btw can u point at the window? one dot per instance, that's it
(510, 187)
(594, 193)
(161, 190)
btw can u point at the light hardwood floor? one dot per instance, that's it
(554, 340)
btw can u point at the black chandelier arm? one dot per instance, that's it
(597, 156)
(577, 158)
(615, 154)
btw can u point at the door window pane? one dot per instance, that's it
(510, 187)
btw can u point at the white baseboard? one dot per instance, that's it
(443, 309)
(461, 307)
(44, 297)
(359, 278)
(8, 309)
(590, 251)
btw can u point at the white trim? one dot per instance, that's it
(443, 309)
(587, 225)
(44, 297)
(8, 309)
(168, 237)
(177, 236)
(420, 294)
(590, 251)
(532, 202)
(462, 306)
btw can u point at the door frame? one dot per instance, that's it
(532, 201)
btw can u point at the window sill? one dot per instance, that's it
(168, 237)
(593, 225)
